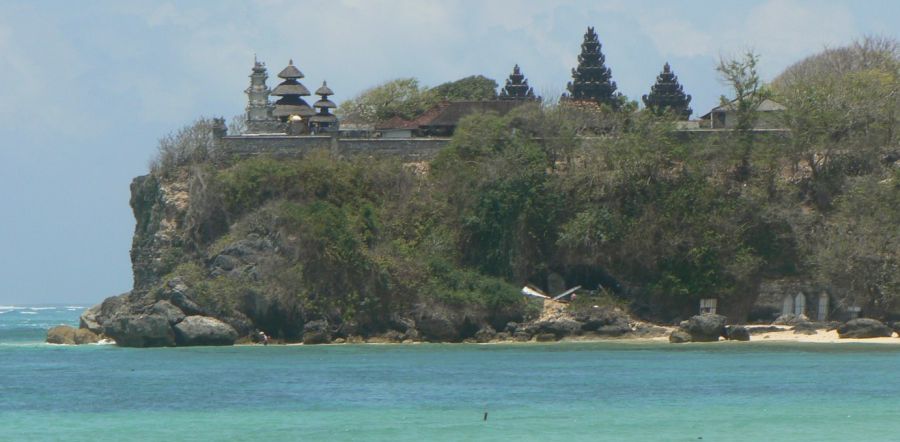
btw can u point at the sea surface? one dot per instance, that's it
(616, 391)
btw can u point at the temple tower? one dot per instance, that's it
(259, 110)
(592, 80)
(290, 107)
(667, 95)
(517, 87)
(324, 120)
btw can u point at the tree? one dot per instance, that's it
(749, 93)
(402, 97)
(472, 88)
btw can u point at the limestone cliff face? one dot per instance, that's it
(158, 244)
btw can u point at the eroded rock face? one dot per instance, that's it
(790, 319)
(204, 330)
(705, 328)
(438, 326)
(167, 310)
(89, 319)
(140, 331)
(486, 334)
(864, 328)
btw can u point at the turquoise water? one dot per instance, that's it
(598, 391)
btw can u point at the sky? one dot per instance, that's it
(89, 87)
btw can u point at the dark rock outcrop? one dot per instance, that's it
(737, 333)
(486, 334)
(169, 311)
(203, 330)
(560, 327)
(438, 325)
(705, 327)
(318, 332)
(140, 331)
(864, 328)
(89, 320)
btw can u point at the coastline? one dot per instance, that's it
(785, 335)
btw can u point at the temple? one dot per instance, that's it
(667, 95)
(291, 114)
(592, 80)
(324, 120)
(517, 87)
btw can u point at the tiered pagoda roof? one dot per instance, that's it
(517, 87)
(668, 95)
(290, 90)
(592, 80)
(323, 105)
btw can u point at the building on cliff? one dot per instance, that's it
(291, 114)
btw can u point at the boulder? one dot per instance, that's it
(863, 328)
(203, 330)
(737, 333)
(804, 328)
(679, 337)
(140, 331)
(61, 334)
(560, 327)
(85, 336)
(649, 331)
(764, 329)
(790, 319)
(486, 334)
(89, 319)
(705, 328)
(169, 311)
(613, 321)
(317, 332)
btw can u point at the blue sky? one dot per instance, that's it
(89, 87)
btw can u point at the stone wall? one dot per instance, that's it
(297, 146)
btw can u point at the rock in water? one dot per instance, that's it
(203, 330)
(705, 328)
(140, 331)
(61, 334)
(679, 337)
(737, 333)
(863, 328)
(317, 332)
(85, 336)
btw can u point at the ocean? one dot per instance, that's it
(615, 391)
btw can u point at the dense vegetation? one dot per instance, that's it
(620, 202)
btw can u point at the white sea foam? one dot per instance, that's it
(11, 307)
(28, 313)
(41, 308)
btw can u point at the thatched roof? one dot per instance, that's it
(325, 104)
(324, 90)
(290, 71)
(290, 87)
(319, 118)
